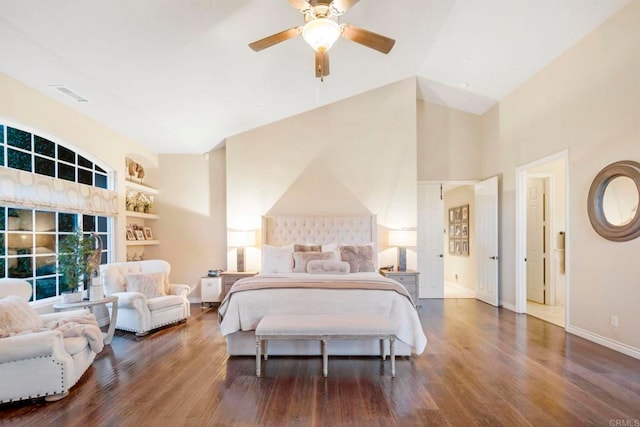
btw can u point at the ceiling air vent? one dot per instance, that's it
(71, 94)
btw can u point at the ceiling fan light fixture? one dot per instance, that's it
(321, 33)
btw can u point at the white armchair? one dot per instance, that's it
(138, 312)
(41, 363)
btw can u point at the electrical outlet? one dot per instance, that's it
(614, 321)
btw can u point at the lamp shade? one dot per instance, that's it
(321, 33)
(241, 239)
(402, 238)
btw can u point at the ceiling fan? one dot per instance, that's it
(321, 31)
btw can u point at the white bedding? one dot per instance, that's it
(241, 311)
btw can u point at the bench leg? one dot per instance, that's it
(265, 349)
(325, 358)
(258, 348)
(392, 348)
(382, 350)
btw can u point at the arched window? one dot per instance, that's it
(30, 236)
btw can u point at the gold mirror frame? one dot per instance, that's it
(599, 222)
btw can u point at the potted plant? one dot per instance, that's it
(76, 263)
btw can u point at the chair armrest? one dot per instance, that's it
(46, 318)
(27, 346)
(181, 290)
(131, 300)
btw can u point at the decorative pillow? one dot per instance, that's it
(300, 259)
(360, 258)
(16, 315)
(318, 266)
(151, 285)
(307, 248)
(276, 259)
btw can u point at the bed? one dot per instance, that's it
(276, 290)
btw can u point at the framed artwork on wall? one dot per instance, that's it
(459, 231)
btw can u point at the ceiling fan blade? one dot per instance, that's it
(339, 7)
(367, 38)
(322, 64)
(302, 5)
(275, 39)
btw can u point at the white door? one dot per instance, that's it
(486, 198)
(431, 239)
(535, 240)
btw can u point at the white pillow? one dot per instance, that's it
(16, 315)
(277, 259)
(151, 285)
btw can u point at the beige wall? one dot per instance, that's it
(587, 100)
(352, 157)
(448, 146)
(25, 107)
(191, 205)
(465, 267)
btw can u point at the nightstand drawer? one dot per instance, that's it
(404, 279)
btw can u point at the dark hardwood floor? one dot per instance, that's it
(482, 366)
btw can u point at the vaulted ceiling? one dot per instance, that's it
(178, 76)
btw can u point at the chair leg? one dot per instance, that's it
(392, 348)
(258, 348)
(325, 358)
(384, 357)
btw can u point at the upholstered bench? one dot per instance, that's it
(324, 327)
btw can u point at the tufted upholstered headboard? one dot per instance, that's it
(285, 230)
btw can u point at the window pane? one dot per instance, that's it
(20, 219)
(2, 244)
(103, 258)
(45, 221)
(105, 241)
(84, 162)
(66, 172)
(85, 176)
(2, 270)
(44, 147)
(2, 217)
(1, 155)
(102, 224)
(46, 288)
(19, 138)
(66, 155)
(45, 265)
(19, 243)
(45, 166)
(101, 181)
(21, 267)
(88, 223)
(19, 160)
(1, 134)
(45, 243)
(66, 222)
(99, 169)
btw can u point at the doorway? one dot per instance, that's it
(541, 212)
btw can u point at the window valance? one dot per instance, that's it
(28, 190)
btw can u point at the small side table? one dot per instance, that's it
(408, 279)
(108, 336)
(231, 277)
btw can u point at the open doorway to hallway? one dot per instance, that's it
(541, 229)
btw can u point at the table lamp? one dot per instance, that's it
(402, 239)
(240, 240)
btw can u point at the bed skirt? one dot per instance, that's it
(243, 343)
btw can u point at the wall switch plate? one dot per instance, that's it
(614, 321)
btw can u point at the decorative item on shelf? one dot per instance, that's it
(143, 203)
(134, 170)
(148, 234)
(131, 200)
(240, 239)
(130, 235)
(402, 239)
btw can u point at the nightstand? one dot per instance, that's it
(231, 277)
(408, 279)
(210, 290)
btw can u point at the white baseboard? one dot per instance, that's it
(604, 341)
(194, 299)
(508, 306)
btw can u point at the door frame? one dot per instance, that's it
(521, 230)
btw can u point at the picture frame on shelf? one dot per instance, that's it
(464, 215)
(130, 234)
(148, 234)
(139, 235)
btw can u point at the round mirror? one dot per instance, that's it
(613, 201)
(620, 201)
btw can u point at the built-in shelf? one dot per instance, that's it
(142, 242)
(142, 215)
(140, 187)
